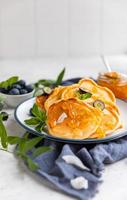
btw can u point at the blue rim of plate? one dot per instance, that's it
(63, 140)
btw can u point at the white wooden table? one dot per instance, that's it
(16, 182)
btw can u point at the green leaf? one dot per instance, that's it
(32, 165)
(28, 145)
(9, 82)
(21, 145)
(12, 80)
(39, 120)
(44, 82)
(32, 121)
(26, 135)
(40, 127)
(60, 77)
(83, 96)
(14, 140)
(3, 134)
(41, 115)
(41, 150)
(4, 84)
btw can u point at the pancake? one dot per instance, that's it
(109, 123)
(70, 92)
(73, 119)
(55, 96)
(40, 101)
(99, 91)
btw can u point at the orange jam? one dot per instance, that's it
(116, 82)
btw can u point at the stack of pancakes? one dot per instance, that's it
(69, 116)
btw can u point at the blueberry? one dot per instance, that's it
(23, 91)
(14, 91)
(4, 116)
(29, 88)
(21, 82)
(17, 86)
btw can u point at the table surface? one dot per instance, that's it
(16, 182)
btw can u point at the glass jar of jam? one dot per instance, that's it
(116, 82)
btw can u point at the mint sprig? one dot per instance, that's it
(60, 78)
(44, 82)
(38, 120)
(83, 96)
(26, 145)
(9, 82)
(50, 83)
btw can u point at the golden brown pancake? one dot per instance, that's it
(73, 119)
(110, 122)
(70, 92)
(55, 96)
(40, 101)
(101, 92)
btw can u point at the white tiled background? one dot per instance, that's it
(62, 28)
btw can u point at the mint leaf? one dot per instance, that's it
(13, 139)
(37, 112)
(39, 119)
(60, 78)
(48, 82)
(38, 151)
(26, 135)
(85, 96)
(28, 145)
(3, 134)
(31, 164)
(12, 80)
(44, 82)
(21, 145)
(9, 82)
(40, 127)
(32, 121)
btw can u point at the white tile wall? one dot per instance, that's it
(16, 12)
(16, 41)
(52, 11)
(62, 28)
(84, 40)
(85, 11)
(52, 40)
(115, 26)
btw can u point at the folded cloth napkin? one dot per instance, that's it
(76, 169)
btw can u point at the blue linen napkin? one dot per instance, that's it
(69, 166)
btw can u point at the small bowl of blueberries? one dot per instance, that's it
(14, 91)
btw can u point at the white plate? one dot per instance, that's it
(23, 110)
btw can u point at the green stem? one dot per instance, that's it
(6, 150)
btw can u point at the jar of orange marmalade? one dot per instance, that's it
(116, 82)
